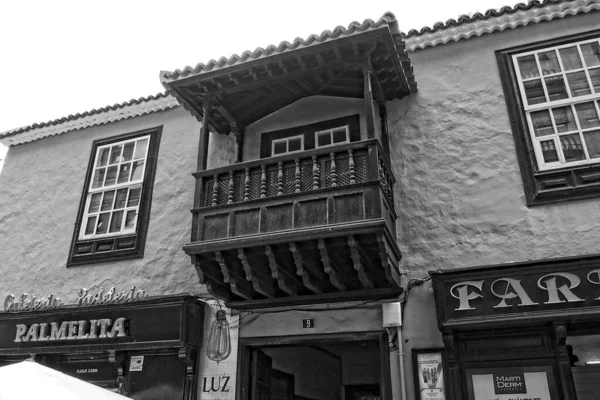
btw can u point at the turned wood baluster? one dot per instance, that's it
(333, 171)
(231, 187)
(215, 190)
(263, 181)
(315, 172)
(298, 181)
(247, 185)
(280, 179)
(351, 166)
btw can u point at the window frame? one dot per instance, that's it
(330, 131)
(566, 182)
(117, 245)
(287, 145)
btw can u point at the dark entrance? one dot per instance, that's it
(332, 367)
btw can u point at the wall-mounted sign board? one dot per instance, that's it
(429, 374)
(511, 383)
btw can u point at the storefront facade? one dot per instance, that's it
(145, 349)
(521, 330)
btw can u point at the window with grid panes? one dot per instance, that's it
(287, 145)
(560, 88)
(552, 93)
(332, 136)
(114, 195)
(116, 198)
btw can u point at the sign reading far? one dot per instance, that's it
(308, 323)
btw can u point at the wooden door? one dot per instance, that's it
(260, 385)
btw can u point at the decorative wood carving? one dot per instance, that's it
(391, 273)
(332, 171)
(237, 284)
(335, 276)
(215, 194)
(285, 281)
(298, 177)
(230, 188)
(223, 266)
(263, 181)
(351, 166)
(279, 178)
(363, 276)
(260, 283)
(309, 280)
(246, 184)
(316, 173)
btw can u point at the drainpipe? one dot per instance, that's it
(392, 322)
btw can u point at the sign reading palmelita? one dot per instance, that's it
(71, 330)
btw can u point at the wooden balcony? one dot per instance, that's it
(319, 222)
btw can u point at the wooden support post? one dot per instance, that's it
(204, 135)
(239, 141)
(368, 98)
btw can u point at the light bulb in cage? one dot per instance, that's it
(219, 341)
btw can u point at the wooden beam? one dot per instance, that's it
(302, 269)
(355, 256)
(391, 272)
(285, 77)
(368, 100)
(239, 142)
(204, 135)
(286, 282)
(335, 275)
(237, 284)
(213, 285)
(261, 284)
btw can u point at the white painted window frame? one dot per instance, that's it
(138, 183)
(286, 140)
(549, 105)
(330, 131)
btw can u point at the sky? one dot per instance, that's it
(64, 57)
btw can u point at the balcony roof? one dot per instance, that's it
(246, 88)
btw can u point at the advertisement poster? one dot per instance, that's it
(431, 376)
(511, 384)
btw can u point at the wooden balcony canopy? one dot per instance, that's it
(243, 89)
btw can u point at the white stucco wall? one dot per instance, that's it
(42, 183)
(459, 192)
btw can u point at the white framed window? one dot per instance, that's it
(329, 137)
(287, 145)
(113, 198)
(560, 90)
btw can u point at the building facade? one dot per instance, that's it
(366, 237)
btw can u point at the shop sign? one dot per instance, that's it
(30, 302)
(135, 324)
(526, 289)
(527, 383)
(103, 328)
(430, 375)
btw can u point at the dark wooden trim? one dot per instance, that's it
(547, 187)
(287, 157)
(385, 367)
(308, 131)
(136, 251)
(375, 294)
(204, 135)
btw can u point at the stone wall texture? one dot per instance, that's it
(41, 187)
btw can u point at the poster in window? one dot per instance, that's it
(430, 375)
(510, 384)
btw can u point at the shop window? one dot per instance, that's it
(553, 96)
(584, 358)
(333, 136)
(113, 213)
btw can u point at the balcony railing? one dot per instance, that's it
(297, 175)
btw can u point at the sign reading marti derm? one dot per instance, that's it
(103, 328)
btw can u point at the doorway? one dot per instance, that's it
(320, 367)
